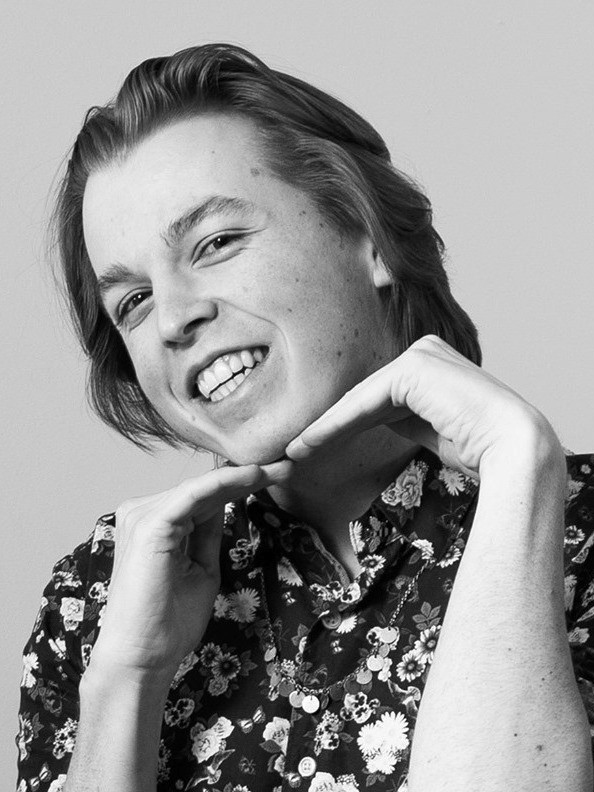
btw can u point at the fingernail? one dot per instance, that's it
(297, 449)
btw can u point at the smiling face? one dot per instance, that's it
(212, 268)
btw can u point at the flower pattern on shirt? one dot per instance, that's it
(304, 679)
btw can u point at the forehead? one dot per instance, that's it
(183, 162)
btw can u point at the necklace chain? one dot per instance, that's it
(308, 697)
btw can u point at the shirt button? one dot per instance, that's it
(331, 621)
(307, 766)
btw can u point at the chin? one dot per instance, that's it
(260, 455)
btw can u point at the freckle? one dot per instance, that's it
(254, 171)
(515, 734)
(339, 353)
(344, 338)
(321, 225)
(356, 332)
(290, 310)
(296, 280)
(303, 212)
(539, 747)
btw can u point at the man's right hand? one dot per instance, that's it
(166, 571)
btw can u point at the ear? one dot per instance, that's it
(381, 274)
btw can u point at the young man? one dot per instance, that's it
(250, 275)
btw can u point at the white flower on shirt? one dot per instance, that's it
(570, 584)
(103, 533)
(277, 731)
(347, 624)
(64, 739)
(207, 742)
(453, 480)
(426, 548)
(573, 535)
(186, 664)
(57, 784)
(221, 606)
(71, 610)
(58, 647)
(573, 488)
(98, 591)
(356, 534)
(408, 487)
(426, 643)
(451, 555)
(243, 604)
(382, 742)
(381, 763)
(287, 573)
(411, 666)
(325, 782)
(578, 635)
(30, 664)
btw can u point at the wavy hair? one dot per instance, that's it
(310, 140)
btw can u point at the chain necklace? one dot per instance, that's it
(310, 699)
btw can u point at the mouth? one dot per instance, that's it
(227, 373)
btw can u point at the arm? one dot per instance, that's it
(165, 578)
(118, 735)
(501, 709)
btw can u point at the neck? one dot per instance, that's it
(337, 486)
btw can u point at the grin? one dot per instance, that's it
(225, 374)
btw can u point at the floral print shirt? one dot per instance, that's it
(304, 679)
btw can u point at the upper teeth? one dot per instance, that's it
(226, 372)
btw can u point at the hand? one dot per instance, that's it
(434, 396)
(166, 570)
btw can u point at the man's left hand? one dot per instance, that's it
(432, 395)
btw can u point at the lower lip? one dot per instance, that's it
(241, 389)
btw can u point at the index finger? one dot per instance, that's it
(365, 406)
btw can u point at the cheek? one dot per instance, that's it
(150, 372)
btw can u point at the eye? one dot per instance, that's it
(220, 242)
(129, 303)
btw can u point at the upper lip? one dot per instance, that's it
(210, 357)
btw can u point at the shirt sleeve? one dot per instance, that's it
(579, 575)
(52, 667)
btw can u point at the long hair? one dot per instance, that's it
(310, 140)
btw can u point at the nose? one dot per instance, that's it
(180, 314)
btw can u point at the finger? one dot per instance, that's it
(203, 545)
(199, 498)
(367, 405)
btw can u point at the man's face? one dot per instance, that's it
(203, 254)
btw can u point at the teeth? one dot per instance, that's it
(225, 374)
(235, 363)
(247, 358)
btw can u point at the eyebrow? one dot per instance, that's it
(215, 205)
(118, 274)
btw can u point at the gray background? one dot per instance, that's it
(489, 105)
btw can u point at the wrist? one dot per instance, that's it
(103, 674)
(529, 452)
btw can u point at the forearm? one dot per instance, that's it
(117, 742)
(501, 708)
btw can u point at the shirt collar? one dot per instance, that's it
(424, 506)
